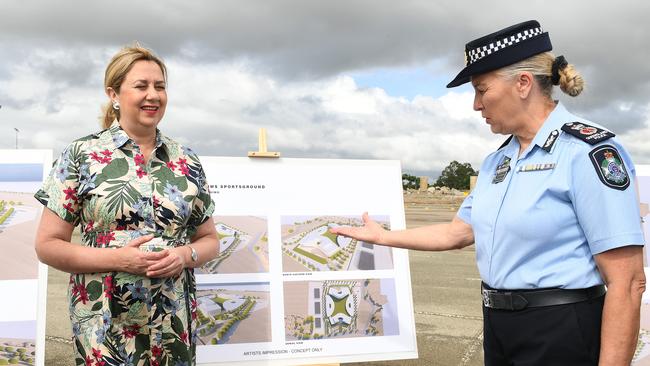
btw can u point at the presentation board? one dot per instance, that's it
(285, 290)
(23, 280)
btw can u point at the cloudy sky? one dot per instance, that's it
(361, 79)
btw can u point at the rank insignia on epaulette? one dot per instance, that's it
(589, 134)
(609, 167)
(550, 141)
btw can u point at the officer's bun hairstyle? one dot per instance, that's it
(571, 81)
(541, 66)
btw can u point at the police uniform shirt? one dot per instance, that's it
(539, 218)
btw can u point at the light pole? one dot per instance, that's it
(15, 129)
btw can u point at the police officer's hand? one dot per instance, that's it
(370, 232)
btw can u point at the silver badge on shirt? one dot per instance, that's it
(502, 170)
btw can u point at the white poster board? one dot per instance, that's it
(642, 355)
(284, 290)
(23, 280)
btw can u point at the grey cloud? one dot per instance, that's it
(300, 41)
(7, 101)
(75, 69)
(317, 38)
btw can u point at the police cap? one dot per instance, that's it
(502, 48)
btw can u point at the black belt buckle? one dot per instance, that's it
(487, 301)
(503, 300)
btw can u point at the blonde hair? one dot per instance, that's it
(540, 66)
(116, 71)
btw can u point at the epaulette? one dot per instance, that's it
(589, 134)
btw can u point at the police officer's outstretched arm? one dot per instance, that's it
(454, 235)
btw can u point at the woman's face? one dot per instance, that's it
(498, 101)
(142, 97)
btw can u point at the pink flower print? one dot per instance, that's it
(96, 157)
(185, 170)
(89, 226)
(70, 194)
(139, 159)
(68, 207)
(141, 173)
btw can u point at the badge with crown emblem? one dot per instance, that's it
(502, 170)
(609, 167)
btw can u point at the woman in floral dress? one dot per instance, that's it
(142, 203)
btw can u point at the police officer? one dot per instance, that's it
(554, 215)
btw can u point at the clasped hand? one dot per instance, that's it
(166, 263)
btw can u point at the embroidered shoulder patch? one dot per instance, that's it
(609, 167)
(589, 134)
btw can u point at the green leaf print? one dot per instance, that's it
(97, 306)
(81, 351)
(77, 152)
(124, 278)
(177, 325)
(94, 290)
(117, 168)
(141, 341)
(96, 210)
(135, 311)
(84, 315)
(122, 194)
(178, 347)
(163, 176)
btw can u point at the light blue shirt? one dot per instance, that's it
(542, 224)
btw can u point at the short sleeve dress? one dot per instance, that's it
(103, 184)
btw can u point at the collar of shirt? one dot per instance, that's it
(117, 138)
(554, 121)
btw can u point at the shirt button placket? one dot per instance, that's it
(502, 197)
(150, 191)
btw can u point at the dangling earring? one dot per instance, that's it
(116, 105)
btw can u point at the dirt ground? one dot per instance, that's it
(446, 299)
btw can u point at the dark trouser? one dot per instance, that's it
(544, 336)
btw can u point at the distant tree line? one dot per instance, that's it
(410, 181)
(455, 175)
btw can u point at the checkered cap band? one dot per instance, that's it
(480, 52)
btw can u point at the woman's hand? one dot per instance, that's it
(133, 260)
(172, 264)
(370, 232)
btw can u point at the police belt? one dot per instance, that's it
(521, 299)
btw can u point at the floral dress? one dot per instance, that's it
(102, 183)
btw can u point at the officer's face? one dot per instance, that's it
(496, 98)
